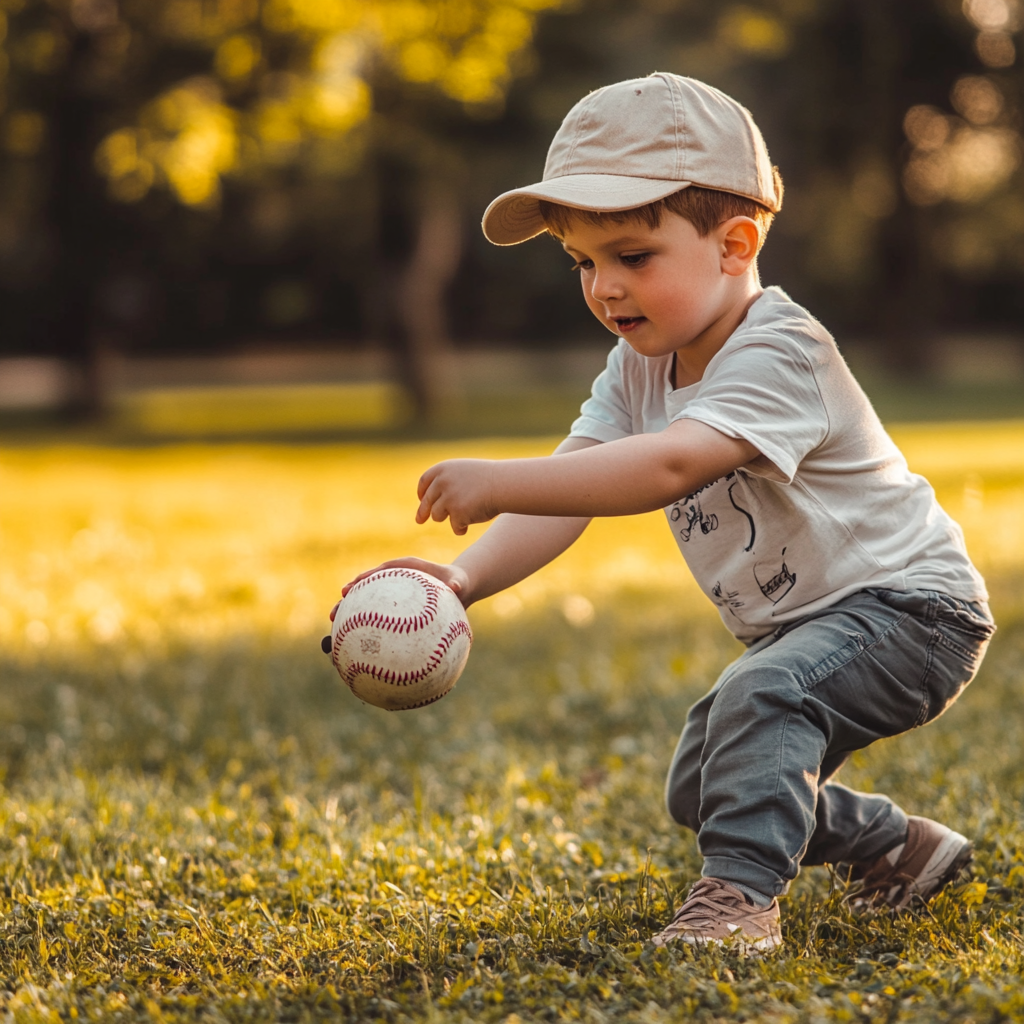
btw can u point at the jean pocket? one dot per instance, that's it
(964, 626)
(960, 635)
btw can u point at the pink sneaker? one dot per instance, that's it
(931, 858)
(717, 913)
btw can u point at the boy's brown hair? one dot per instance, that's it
(704, 208)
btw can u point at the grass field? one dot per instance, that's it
(198, 823)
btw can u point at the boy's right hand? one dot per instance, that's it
(453, 576)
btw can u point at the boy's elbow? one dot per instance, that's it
(692, 455)
(683, 485)
(677, 479)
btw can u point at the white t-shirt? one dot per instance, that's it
(828, 507)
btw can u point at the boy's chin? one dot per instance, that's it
(653, 348)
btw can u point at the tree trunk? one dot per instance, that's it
(430, 271)
(77, 213)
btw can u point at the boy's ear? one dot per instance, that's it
(739, 240)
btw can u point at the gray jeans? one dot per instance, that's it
(750, 774)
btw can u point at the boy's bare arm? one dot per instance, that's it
(635, 474)
(512, 549)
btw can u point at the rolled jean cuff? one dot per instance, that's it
(745, 872)
(854, 828)
(886, 836)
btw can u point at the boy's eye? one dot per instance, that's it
(582, 265)
(635, 259)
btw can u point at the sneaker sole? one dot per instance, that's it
(736, 942)
(765, 945)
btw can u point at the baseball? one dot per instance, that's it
(400, 639)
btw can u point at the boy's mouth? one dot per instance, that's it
(627, 323)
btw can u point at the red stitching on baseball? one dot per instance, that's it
(393, 623)
(392, 678)
(421, 703)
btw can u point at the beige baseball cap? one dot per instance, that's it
(638, 141)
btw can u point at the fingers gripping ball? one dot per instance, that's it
(400, 639)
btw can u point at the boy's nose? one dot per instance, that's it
(606, 288)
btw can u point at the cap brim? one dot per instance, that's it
(515, 216)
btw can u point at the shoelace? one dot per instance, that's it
(707, 900)
(884, 881)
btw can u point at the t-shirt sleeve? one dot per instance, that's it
(765, 393)
(605, 415)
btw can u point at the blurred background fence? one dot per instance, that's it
(231, 216)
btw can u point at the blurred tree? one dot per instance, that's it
(177, 98)
(182, 173)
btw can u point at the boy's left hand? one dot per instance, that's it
(459, 490)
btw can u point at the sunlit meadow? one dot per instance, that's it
(197, 822)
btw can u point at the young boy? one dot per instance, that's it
(730, 407)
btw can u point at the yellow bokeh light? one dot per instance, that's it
(333, 110)
(24, 132)
(473, 77)
(206, 20)
(968, 166)
(511, 26)
(315, 17)
(996, 49)
(404, 20)
(236, 57)
(753, 32)
(423, 60)
(455, 18)
(991, 15)
(978, 99)
(188, 138)
(926, 127)
(276, 124)
(118, 154)
(194, 161)
(130, 175)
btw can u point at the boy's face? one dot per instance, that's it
(661, 288)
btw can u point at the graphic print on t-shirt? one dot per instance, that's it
(726, 508)
(753, 562)
(828, 506)
(688, 515)
(727, 599)
(743, 511)
(775, 581)
(694, 514)
(691, 520)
